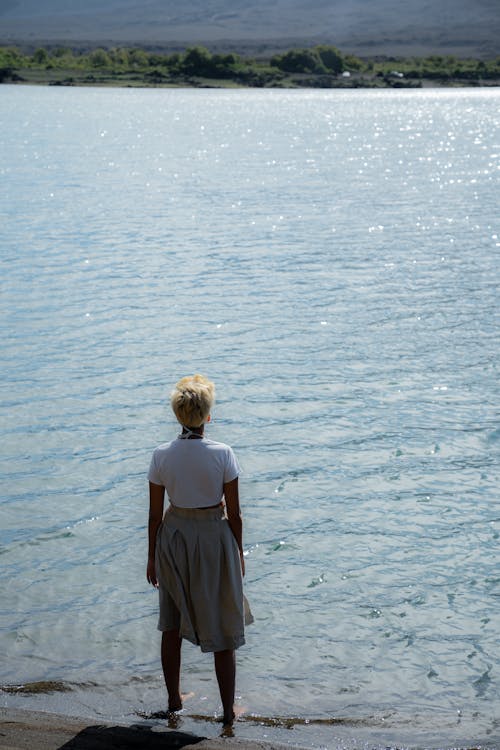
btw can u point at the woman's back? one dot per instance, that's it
(193, 472)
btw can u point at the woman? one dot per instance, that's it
(196, 548)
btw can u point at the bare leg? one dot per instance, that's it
(225, 669)
(171, 663)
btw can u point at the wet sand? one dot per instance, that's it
(31, 730)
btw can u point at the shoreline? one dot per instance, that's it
(24, 730)
(54, 724)
(295, 83)
(425, 86)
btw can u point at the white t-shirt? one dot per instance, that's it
(193, 471)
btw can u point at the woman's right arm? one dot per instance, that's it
(156, 501)
(232, 498)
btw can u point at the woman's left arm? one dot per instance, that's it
(156, 501)
(232, 498)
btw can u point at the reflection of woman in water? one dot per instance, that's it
(195, 548)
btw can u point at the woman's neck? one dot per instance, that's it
(193, 432)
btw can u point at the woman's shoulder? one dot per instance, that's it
(163, 447)
(215, 445)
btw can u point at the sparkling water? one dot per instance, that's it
(330, 259)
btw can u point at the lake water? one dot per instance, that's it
(330, 259)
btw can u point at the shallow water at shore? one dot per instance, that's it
(330, 259)
(377, 731)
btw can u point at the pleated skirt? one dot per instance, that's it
(199, 574)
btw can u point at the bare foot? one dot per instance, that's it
(227, 731)
(174, 720)
(236, 713)
(176, 704)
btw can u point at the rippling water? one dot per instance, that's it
(330, 259)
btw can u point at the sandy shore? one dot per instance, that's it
(30, 730)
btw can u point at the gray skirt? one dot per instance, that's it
(199, 574)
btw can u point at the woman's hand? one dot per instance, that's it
(151, 573)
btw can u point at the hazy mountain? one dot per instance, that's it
(359, 26)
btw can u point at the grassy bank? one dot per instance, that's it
(322, 66)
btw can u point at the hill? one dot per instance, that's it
(363, 27)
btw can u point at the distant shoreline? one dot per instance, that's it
(322, 66)
(206, 84)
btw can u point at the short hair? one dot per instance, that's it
(192, 400)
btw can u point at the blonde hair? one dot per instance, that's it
(192, 400)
